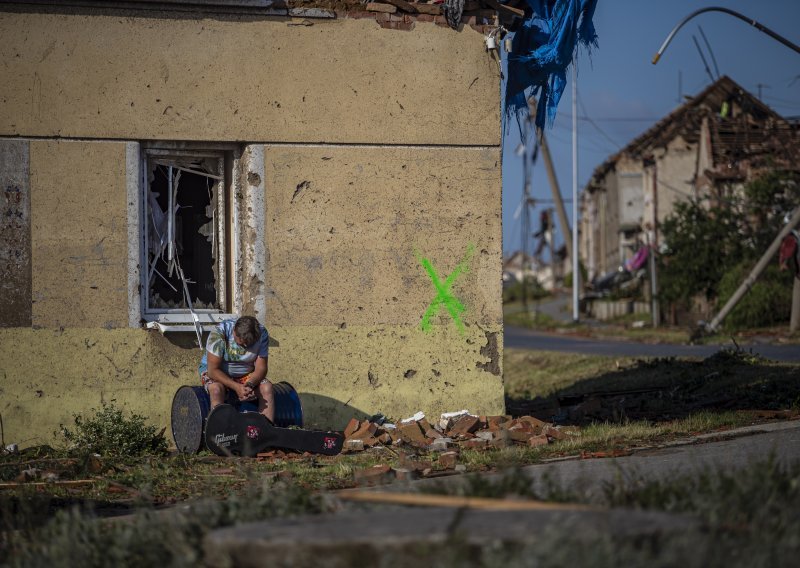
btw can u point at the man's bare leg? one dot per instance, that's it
(216, 392)
(266, 400)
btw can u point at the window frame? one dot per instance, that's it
(225, 213)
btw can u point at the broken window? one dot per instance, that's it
(186, 269)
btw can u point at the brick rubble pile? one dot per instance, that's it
(454, 430)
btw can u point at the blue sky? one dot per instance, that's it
(621, 94)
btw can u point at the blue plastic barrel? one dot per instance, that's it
(191, 405)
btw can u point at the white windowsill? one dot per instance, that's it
(182, 322)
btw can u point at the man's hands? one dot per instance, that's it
(245, 392)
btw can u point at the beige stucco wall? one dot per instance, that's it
(346, 229)
(244, 79)
(345, 290)
(676, 168)
(49, 375)
(343, 249)
(79, 243)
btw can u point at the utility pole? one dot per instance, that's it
(755, 273)
(551, 176)
(526, 215)
(576, 273)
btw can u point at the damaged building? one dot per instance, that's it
(332, 168)
(707, 148)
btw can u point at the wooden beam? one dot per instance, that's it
(427, 500)
(73, 483)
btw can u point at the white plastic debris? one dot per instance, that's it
(12, 449)
(416, 418)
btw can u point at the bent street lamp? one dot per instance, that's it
(733, 13)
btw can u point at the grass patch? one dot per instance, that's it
(552, 386)
(531, 374)
(533, 319)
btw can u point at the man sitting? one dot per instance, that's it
(236, 360)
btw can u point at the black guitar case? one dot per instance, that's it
(233, 433)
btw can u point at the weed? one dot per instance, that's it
(110, 433)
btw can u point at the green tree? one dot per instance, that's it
(706, 243)
(701, 243)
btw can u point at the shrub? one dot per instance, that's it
(109, 432)
(767, 303)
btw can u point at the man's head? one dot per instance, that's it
(246, 331)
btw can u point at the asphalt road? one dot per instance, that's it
(521, 338)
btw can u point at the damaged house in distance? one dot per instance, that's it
(325, 167)
(709, 147)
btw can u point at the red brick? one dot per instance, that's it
(555, 434)
(374, 475)
(405, 474)
(540, 440)
(465, 425)
(499, 443)
(414, 465)
(534, 422)
(448, 460)
(474, 444)
(433, 433)
(521, 435)
(351, 427)
(367, 430)
(412, 434)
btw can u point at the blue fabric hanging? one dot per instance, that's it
(541, 50)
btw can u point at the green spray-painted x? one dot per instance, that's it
(444, 297)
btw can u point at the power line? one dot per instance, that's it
(614, 118)
(594, 124)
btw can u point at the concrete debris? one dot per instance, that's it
(460, 430)
(441, 444)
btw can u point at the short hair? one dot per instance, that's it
(246, 329)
